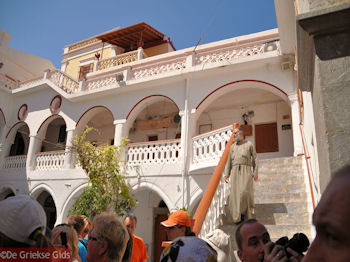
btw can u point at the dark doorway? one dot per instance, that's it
(18, 146)
(46, 200)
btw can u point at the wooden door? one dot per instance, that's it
(266, 138)
(160, 236)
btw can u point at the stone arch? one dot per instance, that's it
(67, 205)
(151, 103)
(45, 196)
(104, 124)
(195, 200)
(2, 122)
(2, 116)
(53, 133)
(6, 190)
(263, 107)
(19, 131)
(152, 187)
(235, 85)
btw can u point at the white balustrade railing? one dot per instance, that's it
(118, 60)
(83, 43)
(159, 67)
(157, 152)
(230, 53)
(216, 209)
(63, 81)
(100, 82)
(49, 160)
(15, 162)
(210, 146)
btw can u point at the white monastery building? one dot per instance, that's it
(177, 108)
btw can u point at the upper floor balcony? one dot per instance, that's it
(136, 66)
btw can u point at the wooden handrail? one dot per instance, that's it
(204, 205)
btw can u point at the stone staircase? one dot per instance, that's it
(281, 200)
(281, 197)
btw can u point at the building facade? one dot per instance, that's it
(176, 107)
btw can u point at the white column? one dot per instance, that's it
(294, 104)
(68, 163)
(119, 131)
(34, 143)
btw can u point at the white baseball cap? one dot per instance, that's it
(220, 241)
(20, 216)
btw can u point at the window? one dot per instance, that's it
(152, 138)
(84, 70)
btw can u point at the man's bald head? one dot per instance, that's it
(251, 237)
(331, 219)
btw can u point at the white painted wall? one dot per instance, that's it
(145, 212)
(264, 113)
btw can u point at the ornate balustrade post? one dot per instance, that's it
(81, 85)
(294, 105)
(34, 144)
(190, 59)
(46, 73)
(127, 74)
(68, 163)
(139, 53)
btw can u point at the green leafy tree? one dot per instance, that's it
(107, 189)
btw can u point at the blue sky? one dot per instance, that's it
(44, 27)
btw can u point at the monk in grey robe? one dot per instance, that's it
(241, 168)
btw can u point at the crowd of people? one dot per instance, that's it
(109, 238)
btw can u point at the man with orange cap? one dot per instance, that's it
(178, 224)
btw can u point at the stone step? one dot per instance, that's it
(280, 188)
(282, 160)
(281, 172)
(282, 180)
(283, 219)
(281, 198)
(277, 168)
(282, 208)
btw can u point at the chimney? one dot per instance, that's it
(4, 40)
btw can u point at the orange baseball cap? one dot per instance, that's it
(179, 217)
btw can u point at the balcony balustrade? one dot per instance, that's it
(63, 81)
(209, 146)
(15, 162)
(121, 59)
(208, 56)
(158, 152)
(50, 160)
